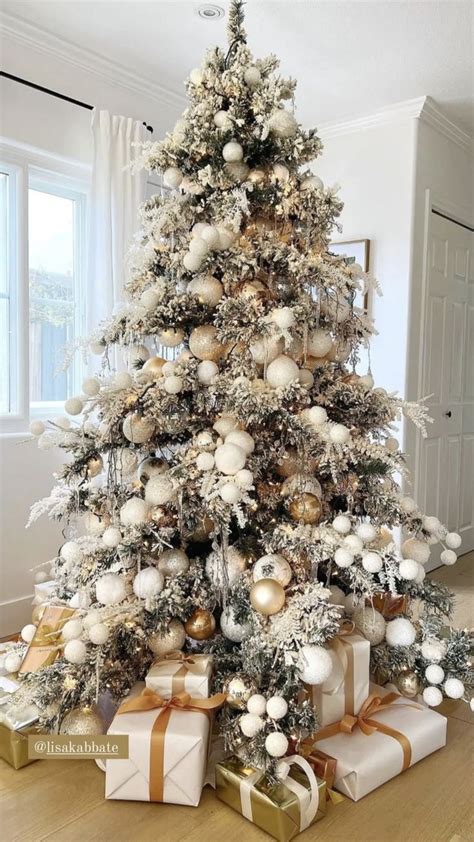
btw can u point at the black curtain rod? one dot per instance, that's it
(55, 93)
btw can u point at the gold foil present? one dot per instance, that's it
(275, 808)
(14, 745)
(43, 649)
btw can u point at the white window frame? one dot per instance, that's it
(34, 168)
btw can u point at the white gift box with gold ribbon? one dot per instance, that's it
(348, 685)
(178, 673)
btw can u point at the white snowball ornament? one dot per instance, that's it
(277, 707)
(276, 744)
(71, 552)
(205, 462)
(232, 152)
(206, 372)
(370, 623)
(196, 76)
(400, 632)
(192, 262)
(173, 385)
(408, 505)
(314, 664)
(367, 532)
(225, 424)
(420, 576)
(453, 540)
(242, 439)
(12, 662)
(37, 428)
(282, 124)
(267, 349)
(339, 434)
(98, 634)
(409, 569)
(199, 247)
(337, 597)
(230, 493)
(272, 566)
(354, 543)
(91, 386)
(229, 459)
(432, 696)
(75, 651)
(448, 557)
(283, 317)
(28, 632)
(416, 549)
(342, 524)
(433, 650)
(282, 371)
(250, 724)
(110, 589)
(244, 479)
(252, 77)
(372, 563)
(71, 630)
(343, 557)
(134, 512)
(148, 583)
(222, 120)
(150, 298)
(434, 674)
(123, 380)
(454, 688)
(319, 343)
(257, 704)
(230, 628)
(315, 415)
(431, 523)
(160, 490)
(172, 177)
(112, 537)
(73, 406)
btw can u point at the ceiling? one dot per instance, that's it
(350, 58)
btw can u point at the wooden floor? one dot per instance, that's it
(431, 802)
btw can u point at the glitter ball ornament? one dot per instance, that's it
(160, 490)
(434, 674)
(83, 721)
(408, 683)
(303, 483)
(250, 724)
(282, 371)
(150, 467)
(230, 628)
(223, 569)
(208, 290)
(204, 345)
(173, 562)
(272, 566)
(432, 696)
(277, 707)
(75, 652)
(370, 623)
(312, 182)
(170, 337)
(148, 583)
(172, 639)
(98, 634)
(110, 589)
(238, 689)
(416, 549)
(433, 650)
(150, 298)
(314, 664)
(267, 597)
(230, 459)
(305, 508)
(201, 624)
(454, 688)
(137, 429)
(94, 466)
(400, 632)
(153, 368)
(257, 704)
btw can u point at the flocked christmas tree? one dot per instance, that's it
(238, 480)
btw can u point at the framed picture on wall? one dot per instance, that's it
(355, 251)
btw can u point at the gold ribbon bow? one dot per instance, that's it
(373, 704)
(187, 663)
(149, 700)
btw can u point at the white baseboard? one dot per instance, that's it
(15, 614)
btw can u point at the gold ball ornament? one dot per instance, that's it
(82, 721)
(202, 530)
(239, 688)
(257, 176)
(267, 597)
(201, 625)
(292, 463)
(173, 638)
(94, 466)
(153, 367)
(409, 684)
(38, 612)
(204, 345)
(305, 508)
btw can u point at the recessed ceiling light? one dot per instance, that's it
(210, 12)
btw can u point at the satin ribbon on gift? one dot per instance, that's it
(149, 700)
(43, 649)
(342, 677)
(195, 664)
(364, 719)
(308, 799)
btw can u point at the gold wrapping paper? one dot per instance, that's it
(43, 651)
(14, 745)
(180, 673)
(275, 808)
(348, 686)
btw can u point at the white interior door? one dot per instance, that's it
(445, 479)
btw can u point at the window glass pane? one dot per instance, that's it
(5, 398)
(51, 225)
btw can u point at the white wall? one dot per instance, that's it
(33, 118)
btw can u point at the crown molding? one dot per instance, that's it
(421, 108)
(20, 31)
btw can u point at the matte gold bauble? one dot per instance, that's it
(82, 721)
(305, 508)
(267, 597)
(203, 530)
(153, 367)
(292, 463)
(94, 466)
(201, 624)
(409, 684)
(239, 688)
(38, 612)
(204, 345)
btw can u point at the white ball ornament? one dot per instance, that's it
(91, 386)
(272, 566)
(314, 664)
(315, 415)
(400, 632)
(229, 459)
(123, 380)
(28, 632)
(37, 428)
(319, 343)
(172, 177)
(196, 76)
(199, 247)
(71, 552)
(173, 562)
(372, 563)
(312, 182)
(75, 651)
(367, 532)
(420, 576)
(276, 744)
(150, 299)
(252, 77)
(370, 623)
(257, 704)
(222, 120)
(110, 589)
(73, 406)
(242, 439)
(48, 440)
(306, 377)
(230, 493)
(432, 696)
(343, 557)
(416, 549)
(409, 569)
(267, 349)
(342, 524)
(137, 429)
(94, 524)
(277, 707)
(160, 490)
(431, 523)
(337, 597)
(134, 512)
(232, 152)
(225, 424)
(282, 124)
(230, 628)
(454, 688)
(148, 583)
(173, 385)
(354, 543)
(206, 372)
(366, 380)
(282, 371)
(192, 262)
(283, 317)
(205, 462)
(71, 630)
(250, 724)
(12, 662)
(434, 674)
(207, 289)
(244, 478)
(339, 434)
(281, 172)
(453, 540)
(226, 237)
(97, 348)
(98, 634)
(408, 505)
(448, 557)
(433, 650)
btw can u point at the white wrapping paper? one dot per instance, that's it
(185, 756)
(168, 677)
(348, 685)
(366, 762)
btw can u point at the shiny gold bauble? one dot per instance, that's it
(94, 466)
(163, 517)
(252, 289)
(38, 612)
(408, 683)
(267, 597)
(305, 508)
(239, 688)
(203, 530)
(204, 345)
(82, 721)
(153, 367)
(201, 624)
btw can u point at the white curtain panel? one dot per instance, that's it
(116, 195)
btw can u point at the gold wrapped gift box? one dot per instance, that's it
(14, 745)
(274, 808)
